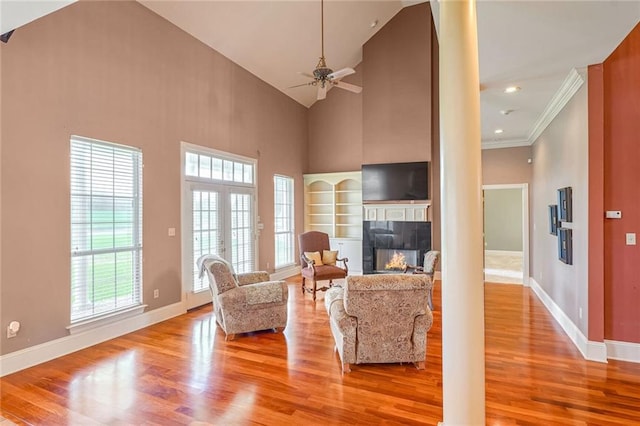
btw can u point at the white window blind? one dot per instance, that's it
(284, 220)
(106, 228)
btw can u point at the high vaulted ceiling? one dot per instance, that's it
(531, 44)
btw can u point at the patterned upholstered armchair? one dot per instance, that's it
(380, 319)
(431, 259)
(244, 302)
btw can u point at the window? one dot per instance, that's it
(284, 225)
(215, 168)
(106, 228)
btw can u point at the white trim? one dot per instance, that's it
(25, 358)
(506, 143)
(623, 351)
(285, 272)
(110, 318)
(593, 351)
(504, 252)
(569, 87)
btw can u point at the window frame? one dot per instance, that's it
(289, 207)
(85, 229)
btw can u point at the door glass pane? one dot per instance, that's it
(206, 231)
(241, 232)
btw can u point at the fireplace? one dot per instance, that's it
(384, 239)
(394, 260)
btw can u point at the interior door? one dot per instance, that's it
(222, 223)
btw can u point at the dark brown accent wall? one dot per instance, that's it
(621, 109)
(397, 81)
(114, 70)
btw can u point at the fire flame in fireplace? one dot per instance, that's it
(397, 262)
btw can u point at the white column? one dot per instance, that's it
(461, 195)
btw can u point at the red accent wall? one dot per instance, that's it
(621, 82)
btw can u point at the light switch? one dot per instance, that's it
(613, 214)
(631, 238)
(171, 232)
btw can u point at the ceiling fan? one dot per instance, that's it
(323, 76)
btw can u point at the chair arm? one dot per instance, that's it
(253, 277)
(309, 263)
(344, 261)
(268, 292)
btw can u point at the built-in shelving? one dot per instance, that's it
(333, 204)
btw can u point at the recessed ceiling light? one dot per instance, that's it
(374, 24)
(506, 111)
(511, 89)
(498, 131)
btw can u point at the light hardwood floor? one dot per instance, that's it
(183, 372)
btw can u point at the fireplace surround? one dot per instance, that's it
(409, 238)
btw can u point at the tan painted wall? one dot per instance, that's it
(397, 89)
(506, 165)
(116, 71)
(335, 130)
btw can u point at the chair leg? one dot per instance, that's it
(419, 365)
(346, 368)
(303, 280)
(230, 337)
(314, 290)
(279, 329)
(429, 300)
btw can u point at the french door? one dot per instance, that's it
(222, 222)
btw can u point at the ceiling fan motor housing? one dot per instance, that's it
(322, 73)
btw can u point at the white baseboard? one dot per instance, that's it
(593, 351)
(287, 272)
(25, 358)
(504, 252)
(623, 351)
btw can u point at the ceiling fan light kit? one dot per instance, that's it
(323, 76)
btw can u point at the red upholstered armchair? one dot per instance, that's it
(319, 263)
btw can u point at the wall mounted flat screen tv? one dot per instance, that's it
(395, 181)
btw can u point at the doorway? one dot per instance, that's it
(506, 233)
(218, 215)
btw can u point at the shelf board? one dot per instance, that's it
(320, 214)
(348, 191)
(320, 204)
(325, 191)
(349, 204)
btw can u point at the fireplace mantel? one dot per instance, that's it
(397, 212)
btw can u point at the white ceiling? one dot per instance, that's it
(531, 44)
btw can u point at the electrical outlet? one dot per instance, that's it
(156, 293)
(12, 329)
(631, 239)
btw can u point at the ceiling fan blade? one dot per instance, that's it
(300, 85)
(346, 86)
(306, 74)
(337, 75)
(322, 92)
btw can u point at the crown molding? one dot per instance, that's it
(507, 143)
(569, 87)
